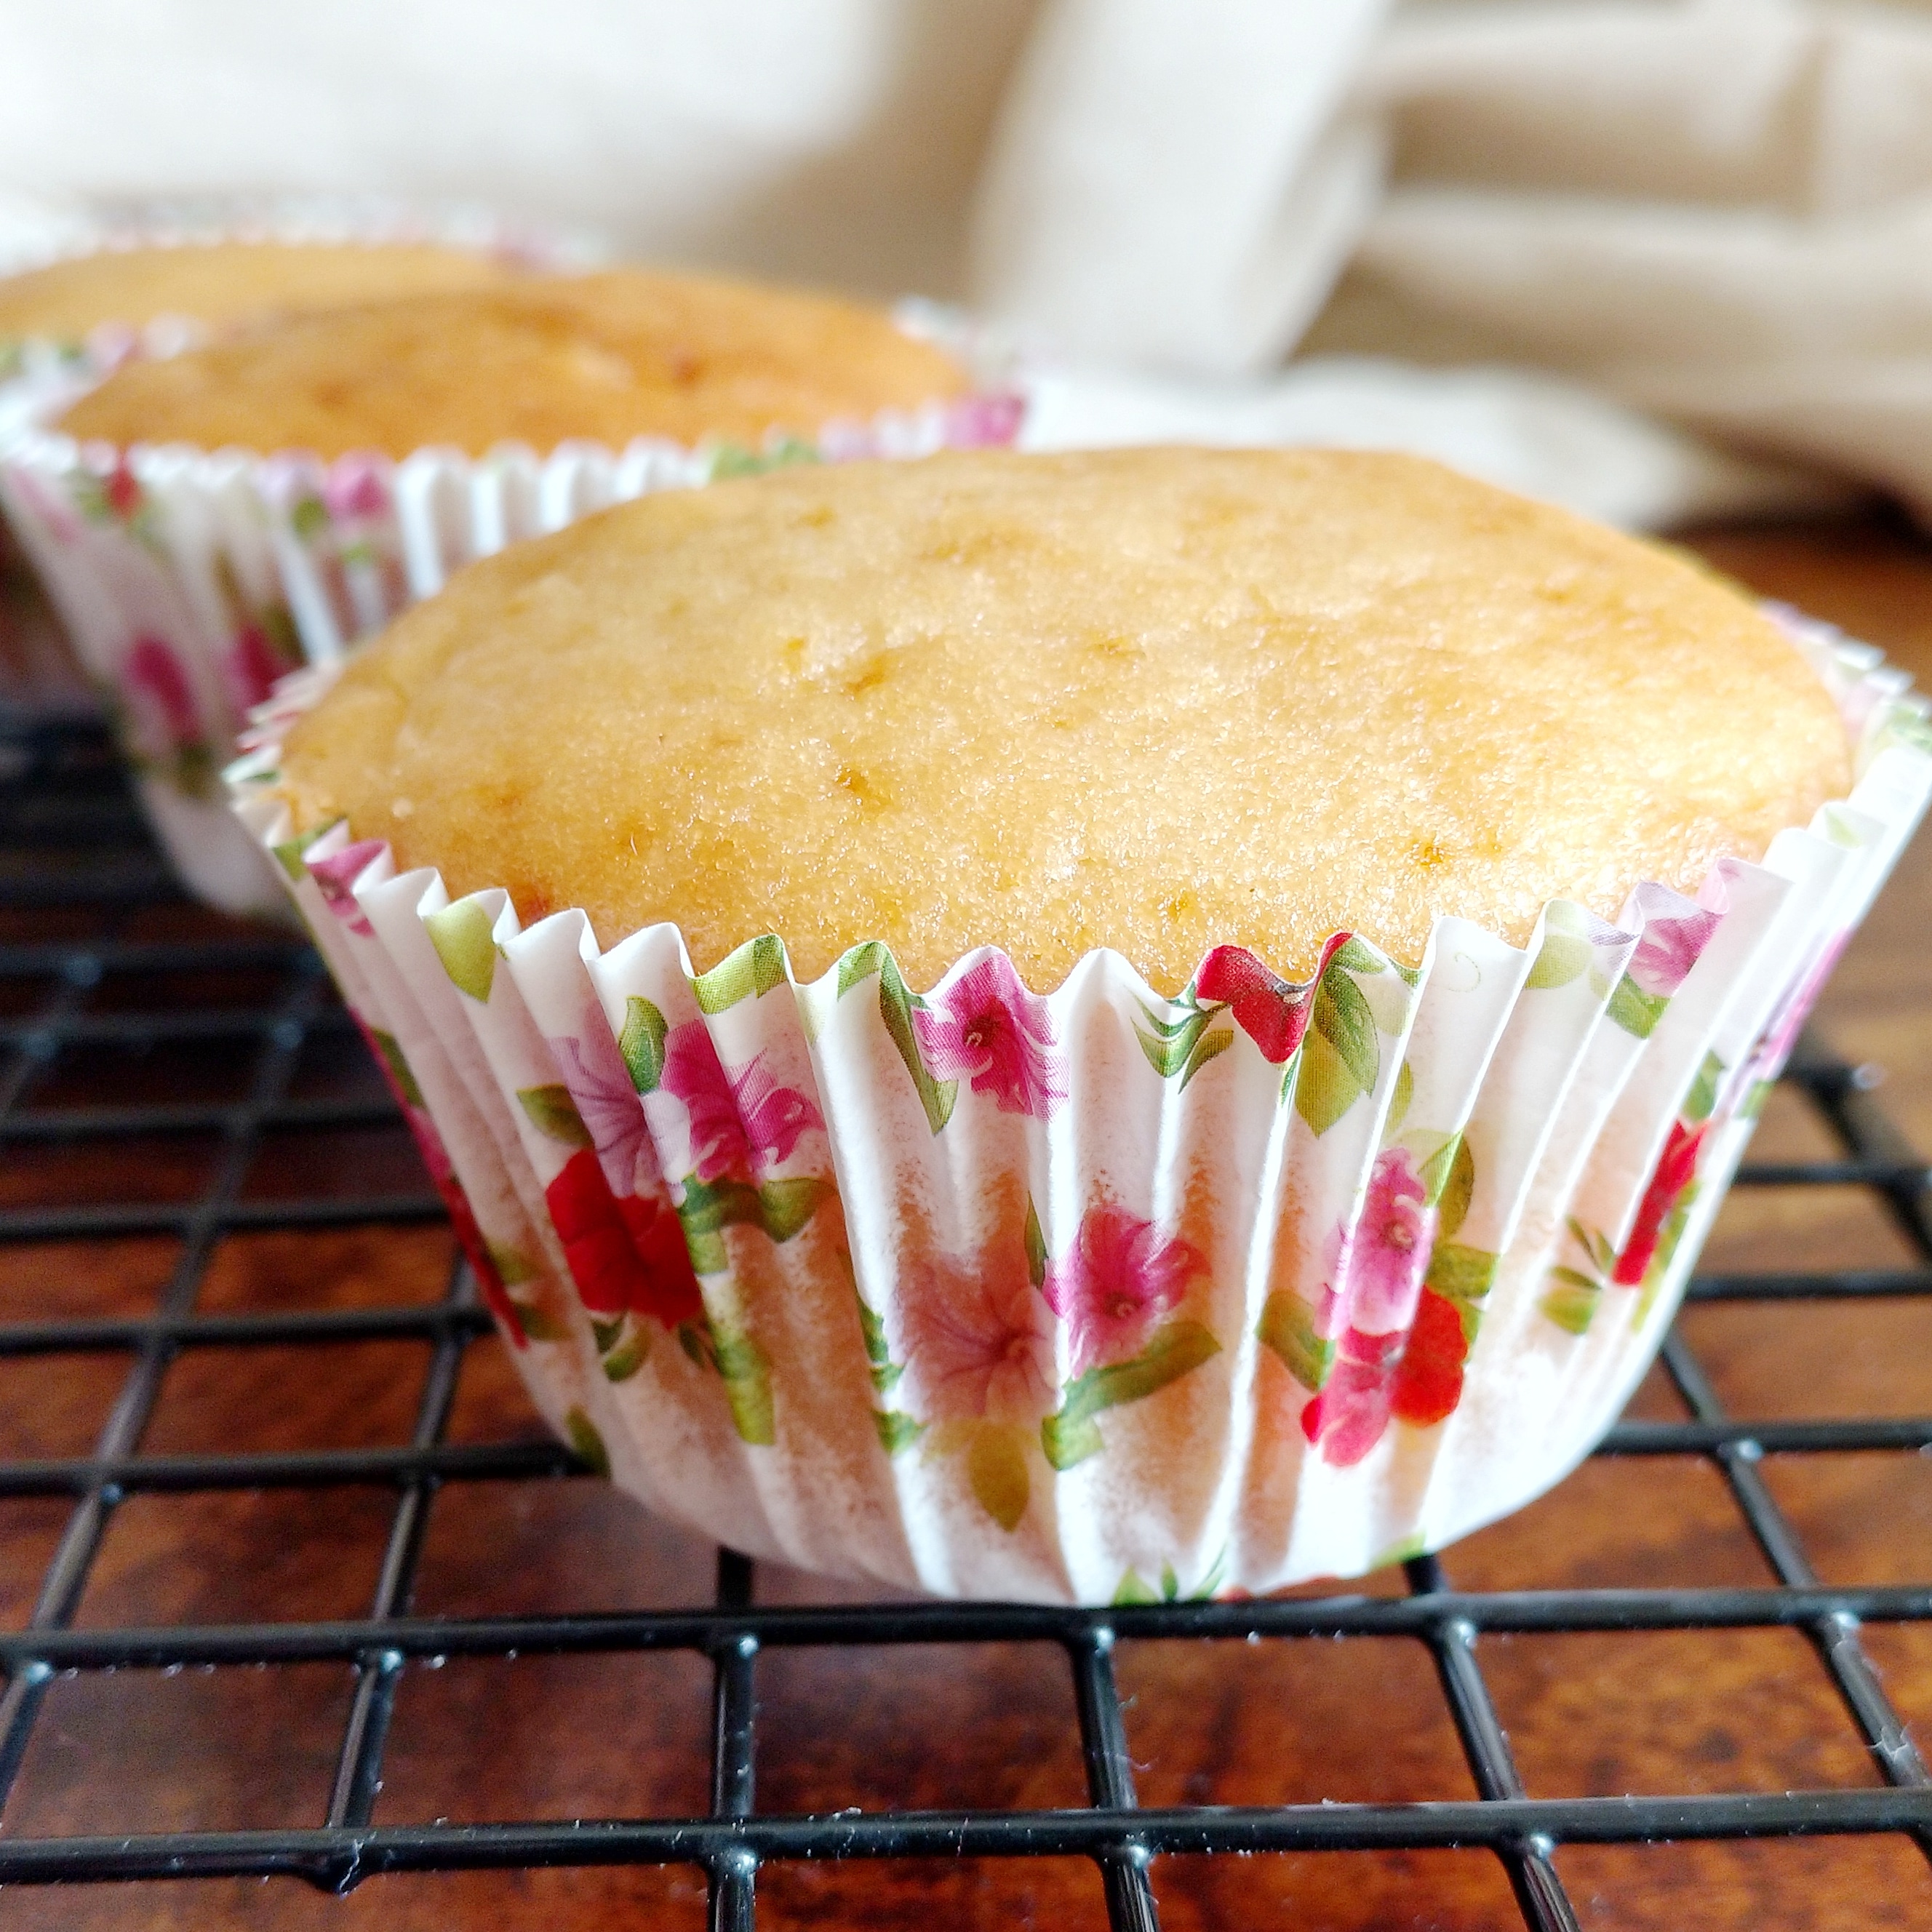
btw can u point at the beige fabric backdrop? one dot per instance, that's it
(1486, 231)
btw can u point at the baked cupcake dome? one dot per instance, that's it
(612, 356)
(225, 284)
(1158, 700)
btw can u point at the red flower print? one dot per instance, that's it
(336, 875)
(254, 665)
(978, 1340)
(357, 486)
(120, 490)
(1674, 1172)
(989, 1026)
(1429, 1379)
(1271, 1013)
(740, 1122)
(1120, 1277)
(1381, 1260)
(626, 1254)
(496, 1296)
(1668, 949)
(157, 686)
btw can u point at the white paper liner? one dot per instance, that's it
(1007, 1296)
(190, 580)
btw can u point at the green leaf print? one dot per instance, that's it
(584, 1438)
(1462, 1277)
(1341, 1056)
(1570, 1299)
(1633, 1009)
(1449, 1180)
(1287, 1326)
(1036, 1247)
(896, 1006)
(288, 855)
(553, 1113)
(1562, 957)
(309, 518)
(624, 1363)
(786, 1206)
(1071, 1436)
(1324, 1089)
(897, 1430)
(1703, 1096)
(642, 1043)
(996, 1467)
(1132, 1589)
(513, 1266)
(1354, 957)
(537, 1326)
(747, 1379)
(872, 1325)
(1182, 1046)
(780, 1207)
(1400, 1100)
(462, 936)
(752, 972)
(399, 1068)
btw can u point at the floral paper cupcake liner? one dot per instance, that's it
(190, 580)
(1098, 1295)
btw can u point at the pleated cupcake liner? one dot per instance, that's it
(190, 580)
(1102, 1295)
(39, 375)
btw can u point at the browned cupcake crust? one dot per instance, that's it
(612, 356)
(229, 284)
(1154, 699)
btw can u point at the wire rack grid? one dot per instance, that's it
(70, 849)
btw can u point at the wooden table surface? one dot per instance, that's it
(986, 1727)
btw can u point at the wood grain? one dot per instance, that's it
(985, 1726)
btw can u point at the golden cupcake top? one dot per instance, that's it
(612, 356)
(1154, 700)
(224, 284)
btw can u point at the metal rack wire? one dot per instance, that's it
(69, 843)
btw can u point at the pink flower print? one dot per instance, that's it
(989, 1026)
(1668, 949)
(600, 1084)
(157, 688)
(1416, 1375)
(1789, 1023)
(357, 486)
(984, 422)
(738, 1121)
(978, 1341)
(1379, 1265)
(1120, 1277)
(336, 876)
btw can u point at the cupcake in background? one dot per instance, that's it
(82, 313)
(268, 499)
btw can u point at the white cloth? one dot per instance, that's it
(1715, 212)
(1719, 212)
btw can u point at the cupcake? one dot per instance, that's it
(216, 286)
(210, 518)
(1060, 1027)
(101, 303)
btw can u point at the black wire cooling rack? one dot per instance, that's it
(71, 850)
